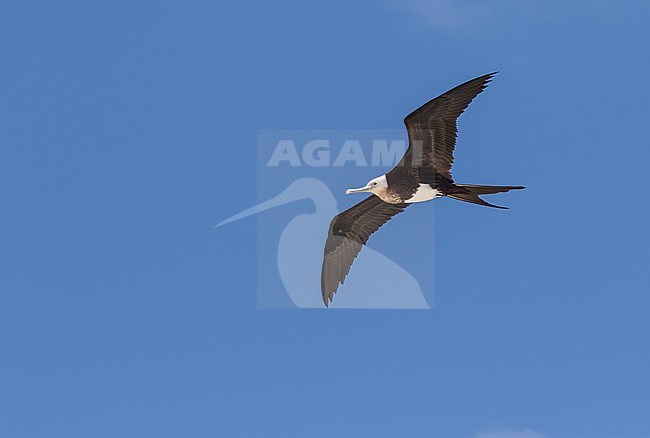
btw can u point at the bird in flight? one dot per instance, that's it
(424, 173)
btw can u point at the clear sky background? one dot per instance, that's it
(128, 129)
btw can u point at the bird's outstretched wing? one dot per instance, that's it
(432, 127)
(348, 232)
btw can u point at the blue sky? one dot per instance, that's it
(129, 130)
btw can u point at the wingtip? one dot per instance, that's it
(327, 299)
(488, 77)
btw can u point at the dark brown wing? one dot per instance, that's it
(432, 127)
(348, 232)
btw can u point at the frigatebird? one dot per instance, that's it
(424, 173)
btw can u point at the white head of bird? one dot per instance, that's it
(376, 185)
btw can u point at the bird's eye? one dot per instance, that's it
(375, 183)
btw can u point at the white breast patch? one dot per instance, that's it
(424, 193)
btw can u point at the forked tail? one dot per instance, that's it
(470, 193)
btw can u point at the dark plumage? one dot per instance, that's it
(423, 173)
(348, 232)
